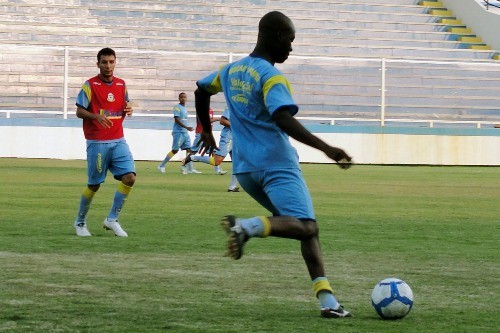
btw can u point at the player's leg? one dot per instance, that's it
(177, 137)
(122, 167)
(288, 192)
(193, 150)
(186, 145)
(311, 252)
(96, 174)
(233, 185)
(80, 223)
(222, 151)
(218, 170)
(285, 194)
(197, 158)
(215, 160)
(196, 143)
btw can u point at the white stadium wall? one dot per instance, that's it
(381, 146)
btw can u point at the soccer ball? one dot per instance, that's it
(392, 298)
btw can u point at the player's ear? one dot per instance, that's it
(279, 35)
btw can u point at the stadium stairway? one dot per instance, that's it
(460, 31)
(160, 46)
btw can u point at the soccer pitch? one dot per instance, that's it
(437, 228)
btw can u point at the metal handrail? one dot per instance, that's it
(324, 120)
(488, 3)
(377, 104)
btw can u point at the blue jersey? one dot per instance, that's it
(180, 112)
(254, 89)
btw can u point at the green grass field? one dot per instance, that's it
(437, 228)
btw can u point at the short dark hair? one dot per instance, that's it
(105, 51)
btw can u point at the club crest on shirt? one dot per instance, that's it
(111, 97)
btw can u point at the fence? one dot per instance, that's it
(44, 82)
(493, 3)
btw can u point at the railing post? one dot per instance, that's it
(382, 95)
(65, 83)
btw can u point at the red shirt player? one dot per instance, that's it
(102, 104)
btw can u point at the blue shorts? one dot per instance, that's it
(113, 155)
(225, 145)
(196, 143)
(181, 141)
(282, 192)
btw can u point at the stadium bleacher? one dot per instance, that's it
(431, 70)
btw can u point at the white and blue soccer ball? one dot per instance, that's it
(392, 298)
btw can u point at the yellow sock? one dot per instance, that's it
(267, 227)
(124, 189)
(88, 193)
(321, 284)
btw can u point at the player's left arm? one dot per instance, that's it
(128, 104)
(129, 108)
(296, 130)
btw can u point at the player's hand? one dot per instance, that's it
(129, 109)
(343, 160)
(190, 129)
(104, 121)
(207, 143)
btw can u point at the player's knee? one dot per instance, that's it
(218, 159)
(310, 229)
(94, 188)
(129, 179)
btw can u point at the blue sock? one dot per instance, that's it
(199, 158)
(234, 182)
(85, 201)
(252, 226)
(166, 159)
(119, 200)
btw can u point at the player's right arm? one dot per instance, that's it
(100, 118)
(83, 103)
(202, 105)
(179, 122)
(208, 86)
(225, 122)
